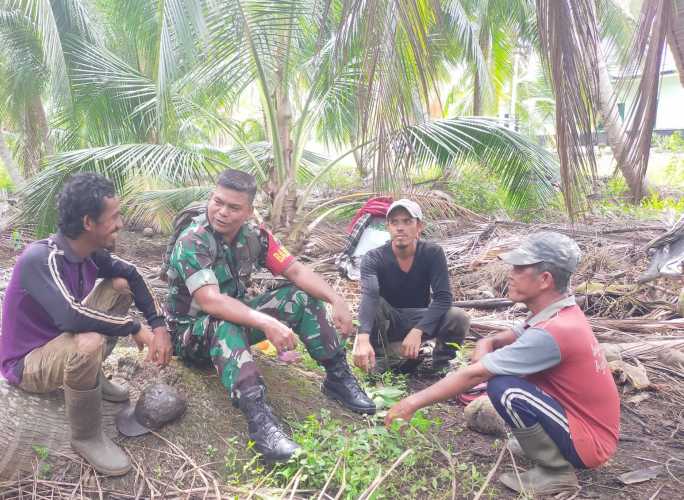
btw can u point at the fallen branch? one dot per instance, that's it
(327, 482)
(491, 473)
(483, 303)
(375, 484)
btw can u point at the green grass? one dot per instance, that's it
(359, 453)
(342, 177)
(661, 199)
(674, 143)
(360, 450)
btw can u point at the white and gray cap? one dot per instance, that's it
(545, 246)
(410, 206)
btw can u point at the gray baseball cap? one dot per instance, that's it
(158, 405)
(545, 246)
(410, 206)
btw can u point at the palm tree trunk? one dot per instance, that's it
(477, 95)
(614, 128)
(42, 125)
(36, 132)
(285, 197)
(477, 84)
(358, 159)
(9, 163)
(514, 90)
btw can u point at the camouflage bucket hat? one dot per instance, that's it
(158, 405)
(545, 246)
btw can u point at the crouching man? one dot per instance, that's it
(548, 378)
(214, 322)
(406, 314)
(57, 326)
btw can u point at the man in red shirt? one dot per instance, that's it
(548, 378)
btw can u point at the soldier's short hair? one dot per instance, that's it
(237, 180)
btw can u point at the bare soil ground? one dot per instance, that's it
(204, 454)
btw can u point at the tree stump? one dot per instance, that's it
(28, 420)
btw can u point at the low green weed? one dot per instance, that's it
(673, 143)
(44, 468)
(476, 190)
(361, 452)
(342, 177)
(652, 205)
(674, 171)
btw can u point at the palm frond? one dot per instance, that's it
(74, 18)
(166, 163)
(398, 65)
(645, 56)
(157, 207)
(127, 95)
(183, 26)
(528, 172)
(617, 28)
(21, 60)
(42, 16)
(465, 35)
(570, 43)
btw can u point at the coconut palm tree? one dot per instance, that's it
(25, 78)
(570, 35)
(154, 93)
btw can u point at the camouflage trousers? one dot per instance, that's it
(227, 345)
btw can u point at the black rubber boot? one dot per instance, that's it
(264, 428)
(340, 385)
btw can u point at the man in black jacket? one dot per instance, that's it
(406, 314)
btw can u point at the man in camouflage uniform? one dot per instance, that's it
(212, 320)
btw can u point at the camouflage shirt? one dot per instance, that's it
(201, 257)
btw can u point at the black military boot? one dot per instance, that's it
(340, 385)
(264, 428)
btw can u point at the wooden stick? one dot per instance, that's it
(515, 468)
(491, 473)
(375, 484)
(296, 484)
(327, 482)
(291, 481)
(657, 492)
(483, 303)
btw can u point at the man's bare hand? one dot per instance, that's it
(281, 336)
(160, 350)
(363, 354)
(411, 344)
(342, 318)
(403, 410)
(144, 337)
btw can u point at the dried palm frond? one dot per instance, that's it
(646, 56)
(570, 41)
(438, 205)
(675, 37)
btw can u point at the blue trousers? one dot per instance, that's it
(522, 404)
